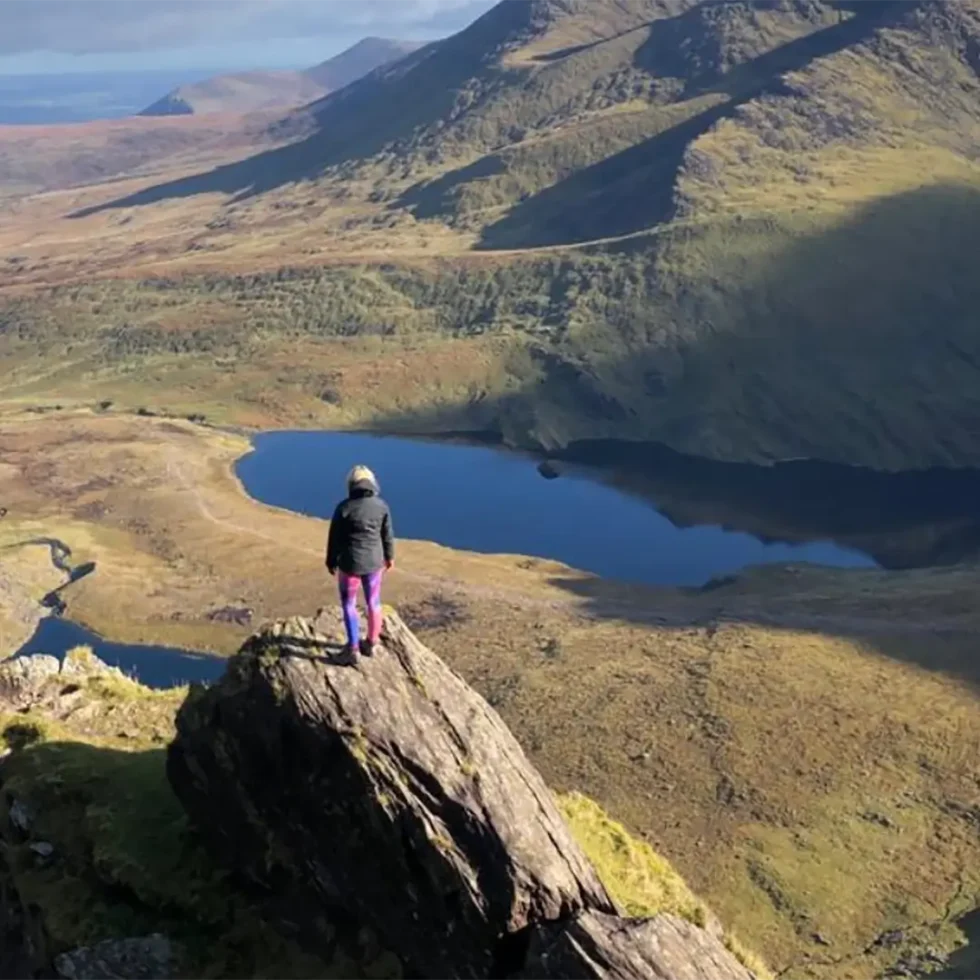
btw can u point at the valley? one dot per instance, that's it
(745, 731)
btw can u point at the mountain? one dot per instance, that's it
(238, 92)
(557, 120)
(357, 61)
(744, 230)
(256, 90)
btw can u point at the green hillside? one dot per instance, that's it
(754, 229)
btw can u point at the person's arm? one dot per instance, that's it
(388, 538)
(333, 542)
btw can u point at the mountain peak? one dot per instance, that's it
(250, 91)
(358, 60)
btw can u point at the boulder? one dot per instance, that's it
(40, 681)
(392, 794)
(391, 790)
(23, 678)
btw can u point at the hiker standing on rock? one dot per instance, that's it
(360, 547)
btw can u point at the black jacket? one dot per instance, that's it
(361, 538)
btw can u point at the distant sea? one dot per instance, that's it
(80, 97)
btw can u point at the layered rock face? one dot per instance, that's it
(391, 793)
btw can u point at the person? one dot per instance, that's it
(360, 547)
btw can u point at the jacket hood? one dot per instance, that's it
(363, 488)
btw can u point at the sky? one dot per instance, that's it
(55, 36)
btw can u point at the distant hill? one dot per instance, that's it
(245, 91)
(250, 91)
(357, 61)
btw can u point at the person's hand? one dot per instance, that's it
(390, 564)
(332, 571)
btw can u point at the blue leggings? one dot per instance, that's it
(348, 585)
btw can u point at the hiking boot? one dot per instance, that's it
(367, 648)
(350, 655)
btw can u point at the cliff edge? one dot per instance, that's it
(393, 794)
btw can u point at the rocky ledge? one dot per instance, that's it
(391, 795)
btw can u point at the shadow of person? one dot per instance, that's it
(316, 650)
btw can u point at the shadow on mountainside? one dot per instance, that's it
(854, 344)
(140, 867)
(940, 638)
(391, 104)
(354, 123)
(634, 189)
(242, 179)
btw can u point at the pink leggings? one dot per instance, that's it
(348, 597)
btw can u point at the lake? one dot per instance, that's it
(486, 499)
(154, 666)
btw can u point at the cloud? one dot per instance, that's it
(100, 26)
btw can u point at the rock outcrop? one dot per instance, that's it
(394, 794)
(51, 687)
(23, 680)
(40, 681)
(597, 945)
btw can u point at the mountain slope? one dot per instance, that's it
(238, 92)
(357, 61)
(519, 104)
(762, 219)
(255, 90)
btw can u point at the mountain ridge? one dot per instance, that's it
(256, 90)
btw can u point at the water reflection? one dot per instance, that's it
(902, 520)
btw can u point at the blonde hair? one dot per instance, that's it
(361, 473)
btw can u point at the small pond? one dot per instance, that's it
(154, 666)
(611, 520)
